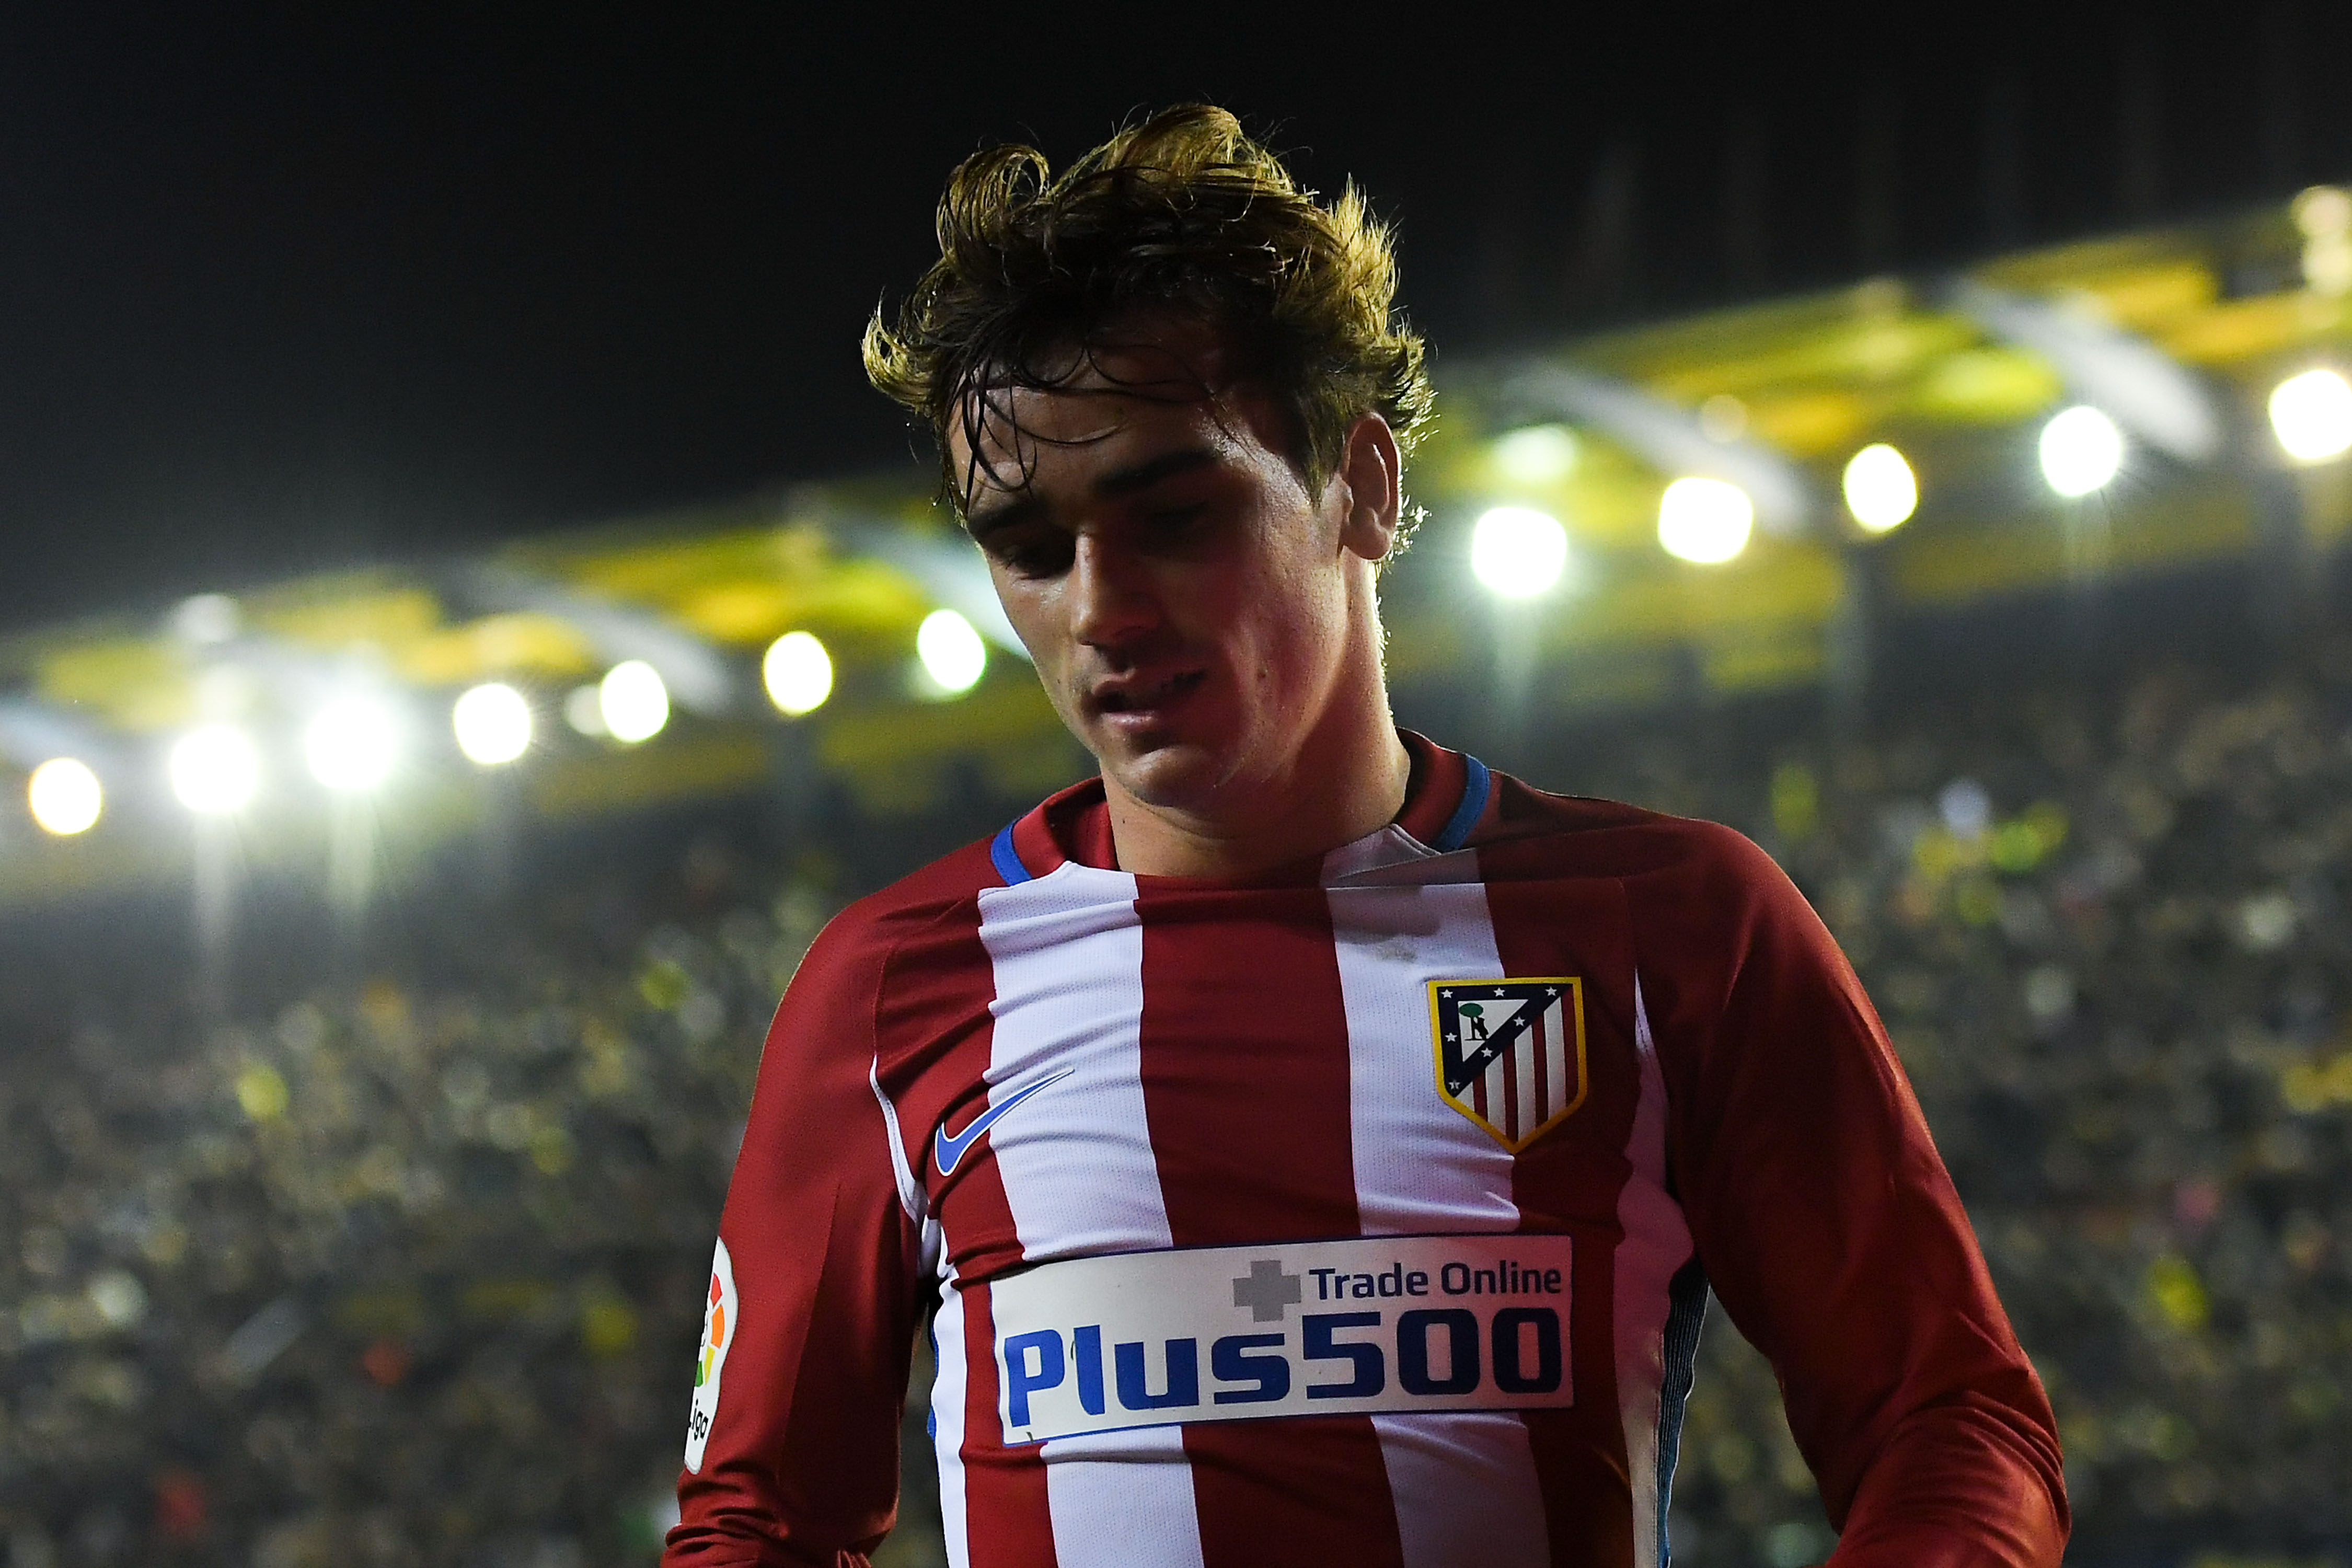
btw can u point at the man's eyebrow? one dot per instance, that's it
(1131, 480)
(985, 521)
(1143, 476)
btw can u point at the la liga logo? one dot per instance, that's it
(719, 1315)
(714, 1332)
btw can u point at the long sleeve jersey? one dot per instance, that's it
(1363, 1211)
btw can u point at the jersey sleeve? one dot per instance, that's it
(793, 1443)
(1831, 1233)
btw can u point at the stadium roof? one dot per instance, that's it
(2179, 338)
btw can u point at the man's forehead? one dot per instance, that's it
(1100, 381)
(1041, 459)
(1024, 423)
(1116, 405)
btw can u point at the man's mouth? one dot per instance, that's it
(1127, 695)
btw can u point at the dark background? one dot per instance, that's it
(289, 286)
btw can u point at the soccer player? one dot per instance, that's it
(1304, 1144)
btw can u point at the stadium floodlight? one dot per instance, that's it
(952, 654)
(2322, 211)
(1722, 419)
(216, 770)
(493, 723)
(2324, 214)
(2081, 451)
(632, 701)
(2312, 415)
(1705, 521)
(207, 618)
(1536, 454)
(1517, 552)
(352, 745)
(798, 673)
(1881, 491)
(65, 796)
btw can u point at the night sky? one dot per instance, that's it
(299, 286)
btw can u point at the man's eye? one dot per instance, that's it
(1175, 518)
(1033, 557)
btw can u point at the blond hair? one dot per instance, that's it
(1181, 214)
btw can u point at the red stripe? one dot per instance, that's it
(1588, 1507)
(1071, 825)
(1434, 790)
(1244, 1068)
(934, 996)
(1571, 1183)
(1008, 1521)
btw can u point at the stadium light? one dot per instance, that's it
(798, 673)
(2324, 214)
(493, 723)
(2312, 415)
(205, 619)
(352, 745)
(65, 796)
(632, 701)
(2081, 451)
(1705, 521)
(952, 654)
(1536, 454)
(1722, 419)
(1880, 488)
(216, 770)
(1517, 552)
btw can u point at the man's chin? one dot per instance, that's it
(1171, 775)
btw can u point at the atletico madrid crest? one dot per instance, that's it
(1510, 1053)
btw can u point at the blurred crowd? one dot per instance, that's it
(407, 1270)
(2109, 929)
(397, 1274)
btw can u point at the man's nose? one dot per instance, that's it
(1111, 593)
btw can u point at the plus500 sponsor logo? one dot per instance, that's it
(1435, 1332)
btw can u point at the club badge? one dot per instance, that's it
(1510, 1053)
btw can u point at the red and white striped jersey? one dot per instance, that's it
(1361, 1212)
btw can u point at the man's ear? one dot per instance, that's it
(1372, 471)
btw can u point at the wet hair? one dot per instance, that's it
(1180, 217)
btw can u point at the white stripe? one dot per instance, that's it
(947, 1417)
(1657, 1243)
(1465, 1484)
(1498, 1105)
(1079, 1174)
(1076, 1159)
(1556, 1068)
(1123, 1498)
(1523, 1068)
(1421, 1165)
(910, 1193)
(1465, 1491)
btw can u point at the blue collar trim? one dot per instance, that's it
(1475, 790)
(1008, 860)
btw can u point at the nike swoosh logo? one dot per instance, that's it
(950, 1151)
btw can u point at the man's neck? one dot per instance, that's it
(1333, 795)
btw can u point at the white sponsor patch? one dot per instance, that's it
(719, 1325)
(1323, 1328)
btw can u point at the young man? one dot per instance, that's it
(1309, 1146)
